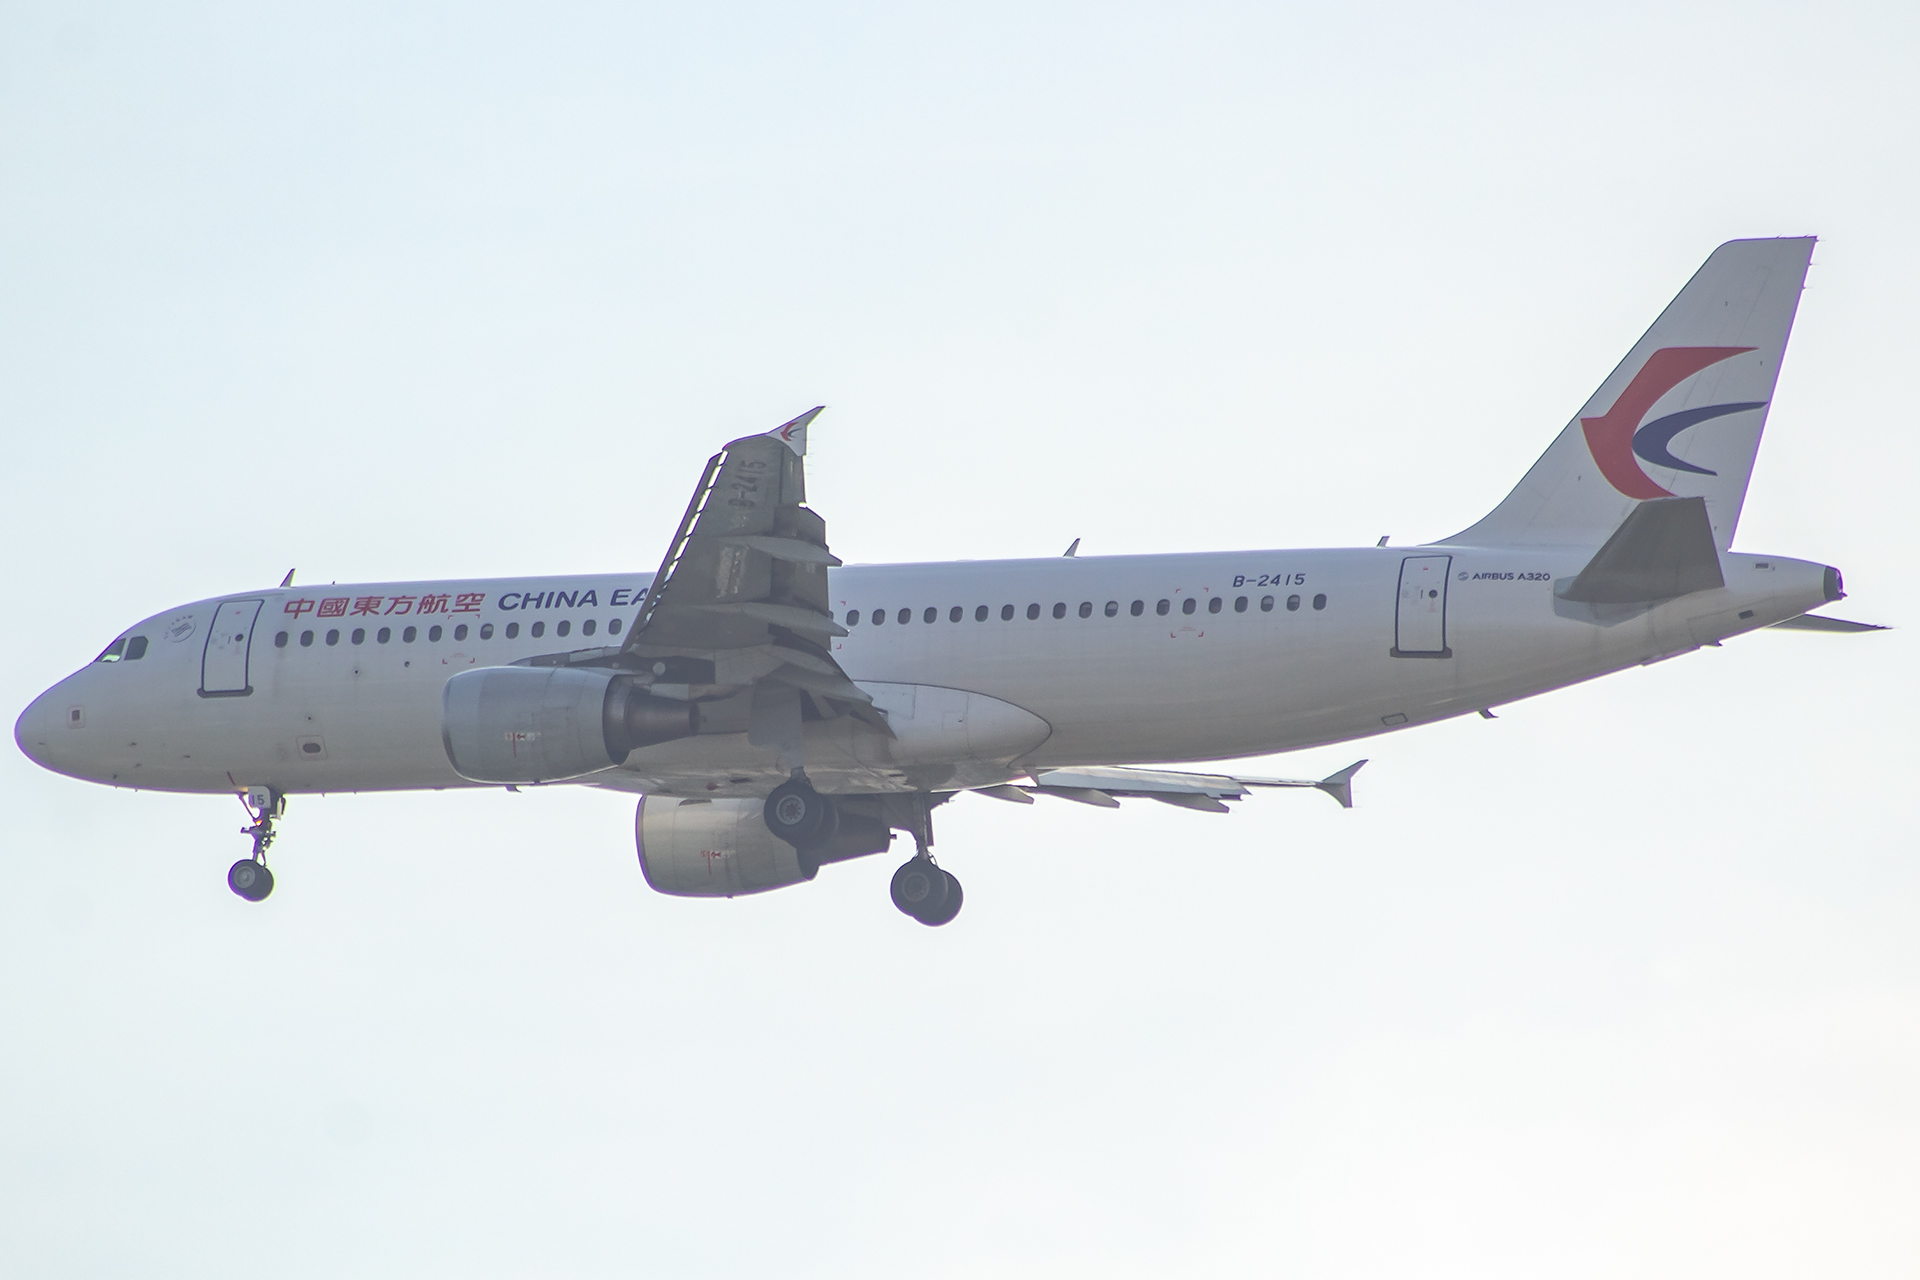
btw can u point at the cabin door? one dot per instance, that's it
(1420, 617)
(223, 664)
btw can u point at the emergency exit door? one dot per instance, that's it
(1420, 617)
(223, 663)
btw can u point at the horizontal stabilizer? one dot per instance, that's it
(1816, 622)
(1663, 549)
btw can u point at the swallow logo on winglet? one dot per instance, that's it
(794, 434)
(1618, 435)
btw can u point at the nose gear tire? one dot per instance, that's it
(250, 879)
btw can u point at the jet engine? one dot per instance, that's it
(542, 724)
(722, 848)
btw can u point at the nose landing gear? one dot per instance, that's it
(249, 877)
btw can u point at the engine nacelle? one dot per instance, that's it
(713, 848)
(543, 724)
(722, 848)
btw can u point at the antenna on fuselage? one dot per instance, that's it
(1070, 550)
(288, 580)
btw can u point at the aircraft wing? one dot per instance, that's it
(1106, 785)
(741, 598)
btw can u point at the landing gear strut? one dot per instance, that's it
(249, 877)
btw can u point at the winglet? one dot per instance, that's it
(1340, 785)
(794, 434)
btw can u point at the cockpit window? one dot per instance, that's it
(125, 649)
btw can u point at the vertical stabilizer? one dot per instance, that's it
(1681, 416)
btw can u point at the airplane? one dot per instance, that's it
(776, 711)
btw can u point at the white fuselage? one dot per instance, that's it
(1281, 650)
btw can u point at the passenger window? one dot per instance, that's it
(409, 634)
(1163, 607)
(383, 635)
(1033, 613)
(513, 631)
(1137, 608)
(113, 652)
(1293, 604)
(563, 628)
(359, 635)
(1113, 608)
(1266, 604)
(460, 632)
(333, 637)
(613, 626)
(1239, 604)
(1060, 609)
(306, 639)
(879, 616)
(853, 617)
(1006, 613)
(435, 632)
(931, 615)
(1086, 608)
(279, 639)
(1319, 602)
(1215, 604)
(980, 614)
(136, 648)
(537, 630)
(906, 616)
(588, 627)
(955, 614)
(1189, 605)
(486, 631)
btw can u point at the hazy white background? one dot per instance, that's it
(1626, 982)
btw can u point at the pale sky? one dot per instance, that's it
(1625, 982)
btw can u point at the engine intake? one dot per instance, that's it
(543, 724)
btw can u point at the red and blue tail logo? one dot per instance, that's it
(1618, 435)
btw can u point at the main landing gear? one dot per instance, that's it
(829, 829)
(249, 877)
(925, 892)
(800, 815)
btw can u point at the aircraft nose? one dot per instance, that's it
(37, 730)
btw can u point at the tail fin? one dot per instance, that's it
(1708, 363)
